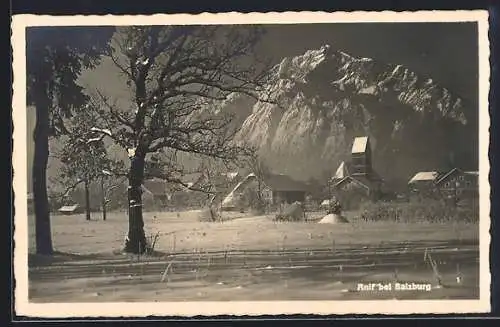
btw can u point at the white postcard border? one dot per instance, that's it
(66, 310)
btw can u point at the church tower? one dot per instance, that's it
(361, 157)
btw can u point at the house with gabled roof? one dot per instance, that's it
(423, 183)
(70, 209)
(424, 177)
(459, 183)
(454, 183)
(275, 189)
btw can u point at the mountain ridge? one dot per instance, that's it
(326, 97)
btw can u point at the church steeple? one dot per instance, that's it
(361, 156)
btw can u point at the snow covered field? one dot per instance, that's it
(252, 258)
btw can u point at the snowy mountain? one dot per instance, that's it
(326, 97)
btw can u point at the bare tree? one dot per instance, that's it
(178, 75)
(257, 166)
(108, 184)
(217, 182)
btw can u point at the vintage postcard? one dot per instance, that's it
(251, 164)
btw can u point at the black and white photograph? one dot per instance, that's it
(249, 164)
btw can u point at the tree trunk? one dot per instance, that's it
(87, 201)
(136, 239)
(39, 172)
(103, 200)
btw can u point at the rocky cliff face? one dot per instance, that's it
(325, 98)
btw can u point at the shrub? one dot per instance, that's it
(151, 241)
(428, 211)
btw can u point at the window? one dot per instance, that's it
(461, 178)
(447, 184)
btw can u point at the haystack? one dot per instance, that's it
(333, 219)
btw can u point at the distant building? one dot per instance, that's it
(356, 181)
(275, 189)
(361, 157)
(424, 178)
(423, 184)
(459, 183)
(70, 209)
(455, 183)
(284, 189)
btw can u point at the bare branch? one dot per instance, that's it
(113, 111)
(123, 69)
(182, 76)
(61, 195)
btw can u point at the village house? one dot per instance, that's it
(284, 189)
(70, 209)
(356, 181)
(275, 189)
(456, 183)
(422, 185)
(459, 183)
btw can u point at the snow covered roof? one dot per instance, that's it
(70, 208)
(456, 170)
(424, 176)
(359, 181)
(342, 171)
(276, 182)
(231, 198)
(360, 144)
